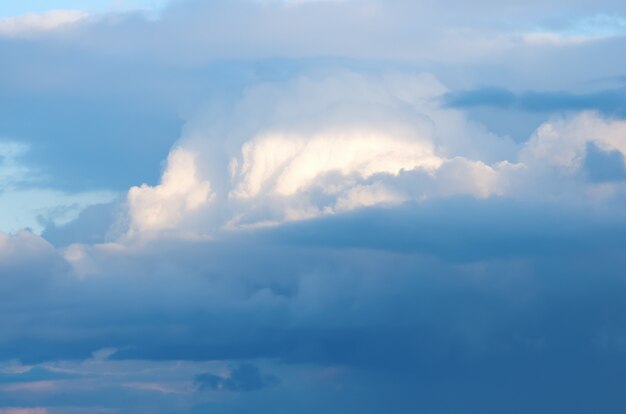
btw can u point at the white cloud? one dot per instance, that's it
(562, 142)
(317, 145)
(181, 192)
(23, 246)
(33, 23)
(558, 39)
(286, 164)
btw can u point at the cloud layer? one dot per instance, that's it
(313, 206)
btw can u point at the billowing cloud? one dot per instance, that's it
(317, 145)
(563, 142)
(27, 264)
(342, 141)
(295, 163)
(181, 192)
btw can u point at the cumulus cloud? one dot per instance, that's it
(321, 144)
(25, 248)
(181, 192)
(342, 141)
(295, 163)
(563, 142)
(29, 265)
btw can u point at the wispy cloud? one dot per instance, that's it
(34, 23)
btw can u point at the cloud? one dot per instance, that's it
(325, 220)
(609, 102)
(297, 162)
(27, 200)
(586, 29)
(341, 141)
(320, 144)
(98, 223)
(558, 39)
(180, 193)
(26, 262)
(563, 142)
(397, 296)
(12, 171)
(243, 378)
(34, 375)
(34, 23)
(89, 102)
(24, 411)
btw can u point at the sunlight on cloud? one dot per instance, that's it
(322, 146)
(374, 141)
(286, 164)
(181, 191)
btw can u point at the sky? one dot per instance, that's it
(283, 206)
(19, 8)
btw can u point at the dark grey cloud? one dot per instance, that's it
(35, 374)
(378, 288)
(435, 312)
(245, 377)
(95, 121)
(28, 266)
(95, 224)
(604, 166)
(461, 229)
(609, 102)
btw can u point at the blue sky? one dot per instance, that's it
(356, 206)
(16, 8)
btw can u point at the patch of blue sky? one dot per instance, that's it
(25, 202)
(34, 208)
(13, 8)
(11, 170)
(597, 26)
(600, 25)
